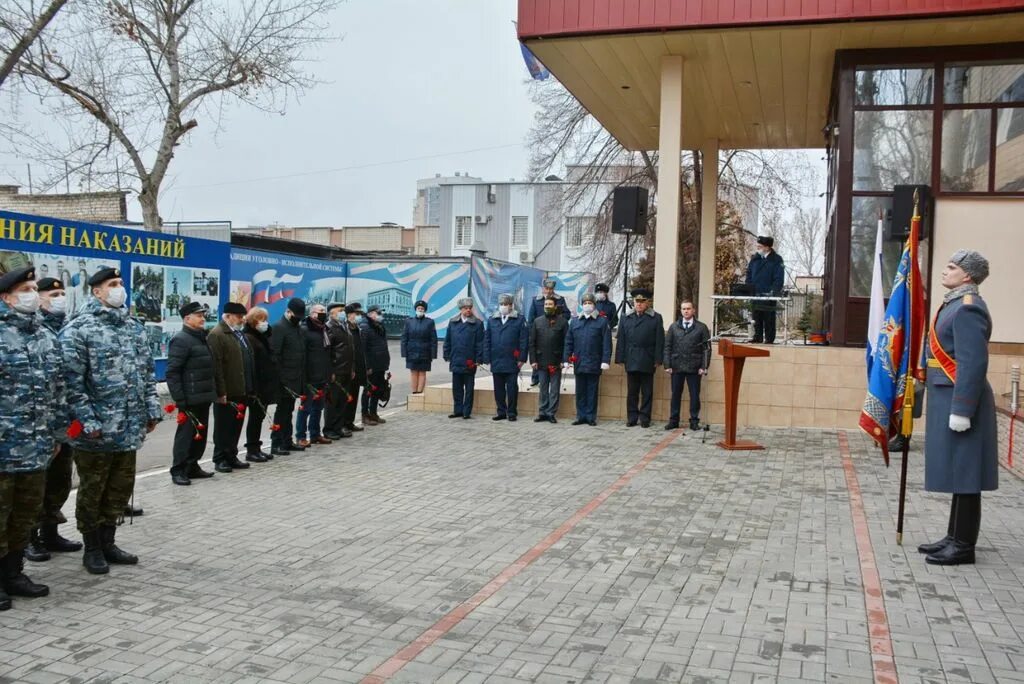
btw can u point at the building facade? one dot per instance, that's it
(97, 207)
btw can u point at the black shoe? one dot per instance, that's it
(935, 547)
(592, 423)
(645, 424)
(111, 552)
(279, 451)
(92, 559)
(333, 436)
(756, 341)
(36, 551)
(15, 582)
(552, 419)
(56, 543)
(466, 417)
(631, 423)
(513, 419)
(352, 427)
(5, 600)
(345, 433)
(672, 425)
(267, 456)
(694, 424)
(237, 465)
(953, 553)
(181, 480)
(133, 511)
(295, 447)
(255, 458)
(579, 421)
(534, 384)
(499, 417)
(223, 468)
(540, 419)
(197, 473)
(454, 415)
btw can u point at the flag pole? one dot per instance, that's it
(907, 420)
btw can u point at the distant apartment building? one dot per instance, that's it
(386, 237)
(426, 214)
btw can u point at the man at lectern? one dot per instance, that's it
(766, 272)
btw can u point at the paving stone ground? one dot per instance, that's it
(705, 566)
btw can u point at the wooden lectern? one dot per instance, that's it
(734, 355)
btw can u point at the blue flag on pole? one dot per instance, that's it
(537, 70)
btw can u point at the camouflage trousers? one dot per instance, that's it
(105, 483)
(21, 497)
(58, 487)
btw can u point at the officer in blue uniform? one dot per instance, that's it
(588, 348)
(604, 307)
(766, 272)
(464, 351)
(505, 350)
(961, 441)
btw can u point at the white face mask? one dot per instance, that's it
(374, 316)
(420, 313)
(116, 297)
(588, 309)
(504, 309)
(262, 326)
(59, 305)
(27, 302)
(601, 296)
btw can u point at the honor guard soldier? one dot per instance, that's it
(505, 350)
(605, 308)
(112, 400)
(46, 540)
(31, 418)
(640, 347)
(961, 441)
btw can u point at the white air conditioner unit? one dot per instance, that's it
(483, 220)
(526, 257)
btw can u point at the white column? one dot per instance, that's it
(708, 230)
(670, 144)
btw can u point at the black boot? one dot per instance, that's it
(133, 511)
(111, 552)
(92, 559)
(965, 533)
(15, 582)
(36, 550)
(942, 543)
(54, 542)
(5, 600)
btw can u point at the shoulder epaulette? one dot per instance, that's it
(968, 299)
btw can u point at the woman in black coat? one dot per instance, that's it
(257, 334)
(419, 346)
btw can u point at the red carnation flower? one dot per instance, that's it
(170, 408)
(302, 397)
(275, 427)
(351, 399)
(602, 314)
(182, 418)
(573, 359)
(197, 438)
(240, 416)
(552, 369)
(470, 363)
(200, 426)
(516, 353)
(373, 388)
(75, 429)
(241, 408)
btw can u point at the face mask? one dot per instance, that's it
(504, 309)
(27, 302)
(601, 296)
(588, 309)
(262, 326)
(116, 297)
(322, 317)
(358, 319)
(420, 314)
(59, 305)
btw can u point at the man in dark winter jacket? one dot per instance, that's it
(190, 380)
(640, 348)
(588, 349)
(505, 349)
(354, 316)
(258, 333)
(464, 351)
(378, 361)
(318, 375)
(288, 351)
(547, 342)
(766, 273)
(687, 356)
(605, 308)
(234, 375)
(342, 372)
(536, 310)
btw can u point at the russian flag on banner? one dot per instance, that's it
(268, 287)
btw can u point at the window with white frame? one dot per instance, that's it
(575, 228)
(520, 231)
(463, 231)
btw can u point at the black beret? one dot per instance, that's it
(103, 275)
(421, 303)
(297, 306)
(376, 308)
(193, 307)
(335, 305)
(642, 292)
(17, 277)
(353, 307)
(766, 240)
(234, 308)
(48, 284)
(601, 287)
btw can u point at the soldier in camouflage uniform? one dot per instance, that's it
(31, 416)
(112, 400)
(53, 306)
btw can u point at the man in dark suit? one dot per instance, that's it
(766, 272)
(640, 348)
(687, 356)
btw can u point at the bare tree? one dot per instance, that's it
(565, 136)
(128, 79)
(805, 242)
(20, 26)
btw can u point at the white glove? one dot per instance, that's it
(605, 366)
(565, 365)
(959, 423)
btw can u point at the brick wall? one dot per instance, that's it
(98, 207)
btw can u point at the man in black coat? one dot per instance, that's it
(288, 351)
(258, 332)
(190, 380)
(766, 273)
(536, 311)
(378, 361)
(354, 314)
(687, 356)
(605, 307)
(318, 375)
(342, 372)
(640, 348)
(547, 341)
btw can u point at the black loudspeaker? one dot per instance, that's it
(629, 211)
(898, 225)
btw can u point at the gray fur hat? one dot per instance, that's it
(972, 263)
(505, 299)
(465, 301)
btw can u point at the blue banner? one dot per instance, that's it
(492, 278)
(572, 285)
(397, 285)
(270, 279)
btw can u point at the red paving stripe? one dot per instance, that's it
(878, 621)
(406, 655)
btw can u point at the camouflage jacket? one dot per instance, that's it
(111, 384)
(31, 409)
